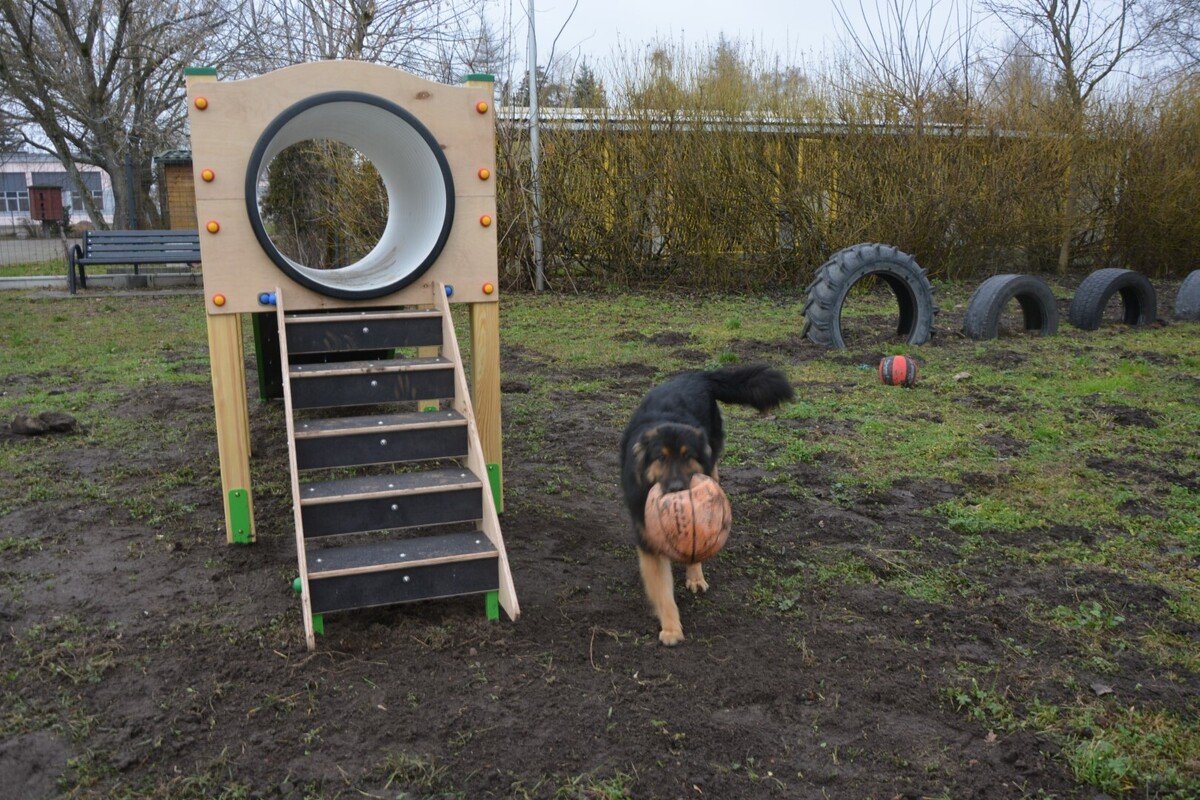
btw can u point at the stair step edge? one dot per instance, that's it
(382, 424)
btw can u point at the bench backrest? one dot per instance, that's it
(141, 247)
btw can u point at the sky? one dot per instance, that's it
(792, 33)
(598, 27)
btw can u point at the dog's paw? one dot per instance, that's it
(697, 585)
(670, 638)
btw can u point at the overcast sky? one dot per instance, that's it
(793, 32)
(598, 27)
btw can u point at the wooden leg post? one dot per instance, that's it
(485, 390)
(227, 360)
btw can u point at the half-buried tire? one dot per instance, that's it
(1187, 302)
(1138, 300)
(900, 271)
(1037, 303)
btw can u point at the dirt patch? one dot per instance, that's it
(1001, 359)
(32, 765)
(1004, 445)
(1127, 416)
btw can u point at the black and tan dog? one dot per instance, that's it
(675, 433)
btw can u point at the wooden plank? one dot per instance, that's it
(379, 366)
(403, 483)
(310, 638)
(490, 521)
(377, 423)
(393, 513)
(391, 554)
(382, 447)
(370, 388)
(368, 590)
(354, 316)
(231, 410)
(364, 334)
(485, 382)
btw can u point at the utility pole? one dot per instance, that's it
(535, 156)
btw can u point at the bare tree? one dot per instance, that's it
(1084, 43)
(91, 81)
(413, 34)
(908, 51)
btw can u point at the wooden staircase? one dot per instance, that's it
(383, 483)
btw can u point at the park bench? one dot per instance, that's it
(131, 247)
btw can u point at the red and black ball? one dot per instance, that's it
(898, 371)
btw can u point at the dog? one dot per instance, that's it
(675, 433)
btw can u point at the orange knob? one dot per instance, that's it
(481, 107)
(485, 221)
(201, 103)
(218, 300)
(484, 174)
(488, 288)
(207, 175)
(213, 226)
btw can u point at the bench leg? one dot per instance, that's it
(71, 275)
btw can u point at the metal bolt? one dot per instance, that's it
(366, 329)
(406, 579)
(395, 507)
(374, 383)
(383, 442)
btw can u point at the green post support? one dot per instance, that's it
(493, 471)
(491, 601)
(319, 623)
(239, 516)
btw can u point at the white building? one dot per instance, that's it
(20, 170)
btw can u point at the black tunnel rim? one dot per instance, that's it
(264, 240)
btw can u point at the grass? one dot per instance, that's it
(56, 267)
(1035, 453)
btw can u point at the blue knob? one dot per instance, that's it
(449, 290)
(266, 298)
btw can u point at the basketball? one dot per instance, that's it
(688, 527)
(898, 371)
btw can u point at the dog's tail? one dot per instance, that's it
(757, 385)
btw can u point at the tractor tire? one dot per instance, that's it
(1037, 302)
(1138, 300)
(900, 271)
(1187, 302)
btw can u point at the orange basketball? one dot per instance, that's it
(688, 527)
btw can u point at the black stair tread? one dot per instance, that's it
(393, 554)
(377, 423)
(360, 316)
(423, 482)
(368, 367)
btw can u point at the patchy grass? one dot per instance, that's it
(1051, 493)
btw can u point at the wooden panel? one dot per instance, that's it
(181, 196)
(364, 334)
(379, 556)
(224, 135)
(388, 513)
(334, 389)
(381, 447)
(232, 411)
(403, 586)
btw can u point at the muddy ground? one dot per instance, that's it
(145, 657)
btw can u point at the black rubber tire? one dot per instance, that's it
(1138, 299)
(827, 293)
(987, 304)
(1187, 302)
